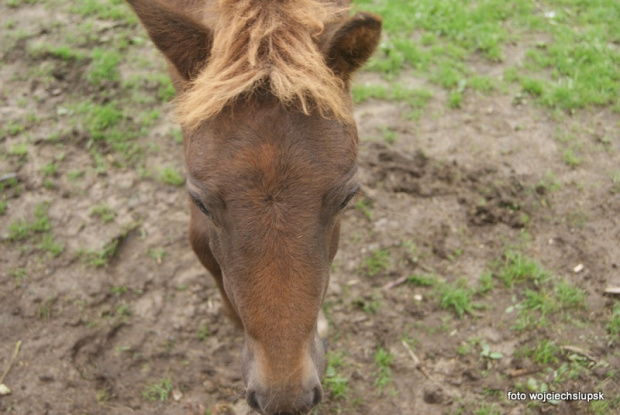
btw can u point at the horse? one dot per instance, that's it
(265, 107)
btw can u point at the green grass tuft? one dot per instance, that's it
(379, 261)
(103, 212)
(21, 229)
(613, 326)
(101, 257)
(335, 383)
(423, 280)
(104, 66)
(203, 333)
(383, 374)
(50, 245)
(104, 9)
(159, 391)
(456, 297)
(169, 175)
(518, 269)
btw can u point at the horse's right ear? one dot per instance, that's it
(185, 42)
(348, 45)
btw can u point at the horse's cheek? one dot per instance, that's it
(334, 241)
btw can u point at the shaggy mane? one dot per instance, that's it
(268, 42)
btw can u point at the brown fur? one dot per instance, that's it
(183, 40)
(271, 147)
(350, 44)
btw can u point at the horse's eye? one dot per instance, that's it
(204, 210)
(200, 206)
(348, 199)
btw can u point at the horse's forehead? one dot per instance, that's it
(277, 152)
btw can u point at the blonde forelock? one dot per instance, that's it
(272, 42)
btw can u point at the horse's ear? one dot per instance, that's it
(184, 41)
(349, 44)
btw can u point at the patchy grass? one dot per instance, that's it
(544, 296)
(107, 9)
(159, 391)
(456, 297)
(19, 276)
(486, 283)
(416, 98)
(423, 280)
(50, 245)
(101, 257)
(202, 333)
(49, 169)
(18, 150)
(613, 325)
(103, 212)
(389, 135)
(63, 52)
(107, 125)
(383, 374)
(516, 268)
(576, 68)
(370, 305)
(158, 254)
(545, 352)
(334, 382)
(365, 206)
(22, 229)
(168, 175)
(104, 66)
(379, 261)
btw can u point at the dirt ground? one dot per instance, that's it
(447, 196)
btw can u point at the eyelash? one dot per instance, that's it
(200, 206)
(348, 199)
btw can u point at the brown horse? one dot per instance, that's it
(271, 149)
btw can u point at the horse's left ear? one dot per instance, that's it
(185, 42)
(348, 45)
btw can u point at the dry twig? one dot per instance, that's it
(15, 353)
(394, 283)
(418, 366)
(581, 352)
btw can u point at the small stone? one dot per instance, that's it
(578, 268)
(417, 297)
(177, 395)
(4, 390)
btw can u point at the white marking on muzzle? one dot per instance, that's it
(322, 326)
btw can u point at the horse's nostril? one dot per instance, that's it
(318, 396)
(253, 401)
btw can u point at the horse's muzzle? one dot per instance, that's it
(283, 402)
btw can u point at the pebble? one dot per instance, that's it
(177, 395)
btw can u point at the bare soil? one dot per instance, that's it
(448, 197)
